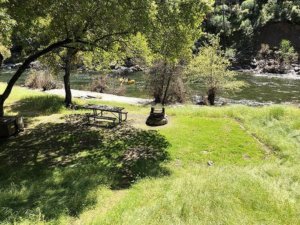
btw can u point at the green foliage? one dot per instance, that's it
(222, 25)
(276, 113)
(135, 47)
(275, 10)
(174, 30)
(269, 11)
(6, 25)
(246, 27)
(236, 27)
(105, 23)
(295, 13)
(248, 4)
(286, 47)
(175, 27)
(101, 59)
(4, 51)
(211, 68)
(89, 22)
(138, 50)
(287, 52)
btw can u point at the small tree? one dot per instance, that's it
(211, 68)
(165, 82)
(287, 53)
(175, 29)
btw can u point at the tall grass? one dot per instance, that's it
(214, 195)
(254, 179)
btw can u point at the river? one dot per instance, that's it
(264, 89)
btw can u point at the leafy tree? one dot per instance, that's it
(6, 24)
(211, 68)
(175, 29)
(287, 53)
(138, 50)
(44, 26)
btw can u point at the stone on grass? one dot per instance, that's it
(210, 163)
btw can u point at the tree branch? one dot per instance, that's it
(25, 65)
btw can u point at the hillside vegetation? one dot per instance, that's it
(240, 23)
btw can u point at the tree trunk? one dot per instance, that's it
(23, 67)
(167, 89)
(157, 99)
(1, 59)
(68, 97)
(1, 108)
(211, 96)
(68, 67)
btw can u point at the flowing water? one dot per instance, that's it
(260, 88)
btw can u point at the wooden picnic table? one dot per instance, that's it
(114, 113)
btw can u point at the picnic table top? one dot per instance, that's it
(103, 108)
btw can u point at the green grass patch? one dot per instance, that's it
(221, 140)
(57, 173)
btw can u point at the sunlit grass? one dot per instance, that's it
(255, 178)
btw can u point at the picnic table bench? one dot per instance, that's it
(112, 114)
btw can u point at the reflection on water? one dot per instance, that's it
(261, 88)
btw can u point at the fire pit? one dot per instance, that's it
(157, 117)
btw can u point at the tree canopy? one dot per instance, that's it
(6, 25)
(170, 27)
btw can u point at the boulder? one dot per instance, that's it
(297, 69)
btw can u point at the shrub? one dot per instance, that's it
(165, 81)
(121, 90)
(287, 53)
(108, 85)
(41, 80)
(264, 51)
(99, 85)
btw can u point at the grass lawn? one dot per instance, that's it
(58, 172)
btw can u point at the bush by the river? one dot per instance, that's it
(109, 85)
(41, 79)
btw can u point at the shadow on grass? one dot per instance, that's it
(56, 169)
(38, 105)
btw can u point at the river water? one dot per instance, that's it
(260, 88)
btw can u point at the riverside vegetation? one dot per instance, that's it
(253, 179)
(209, 165)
